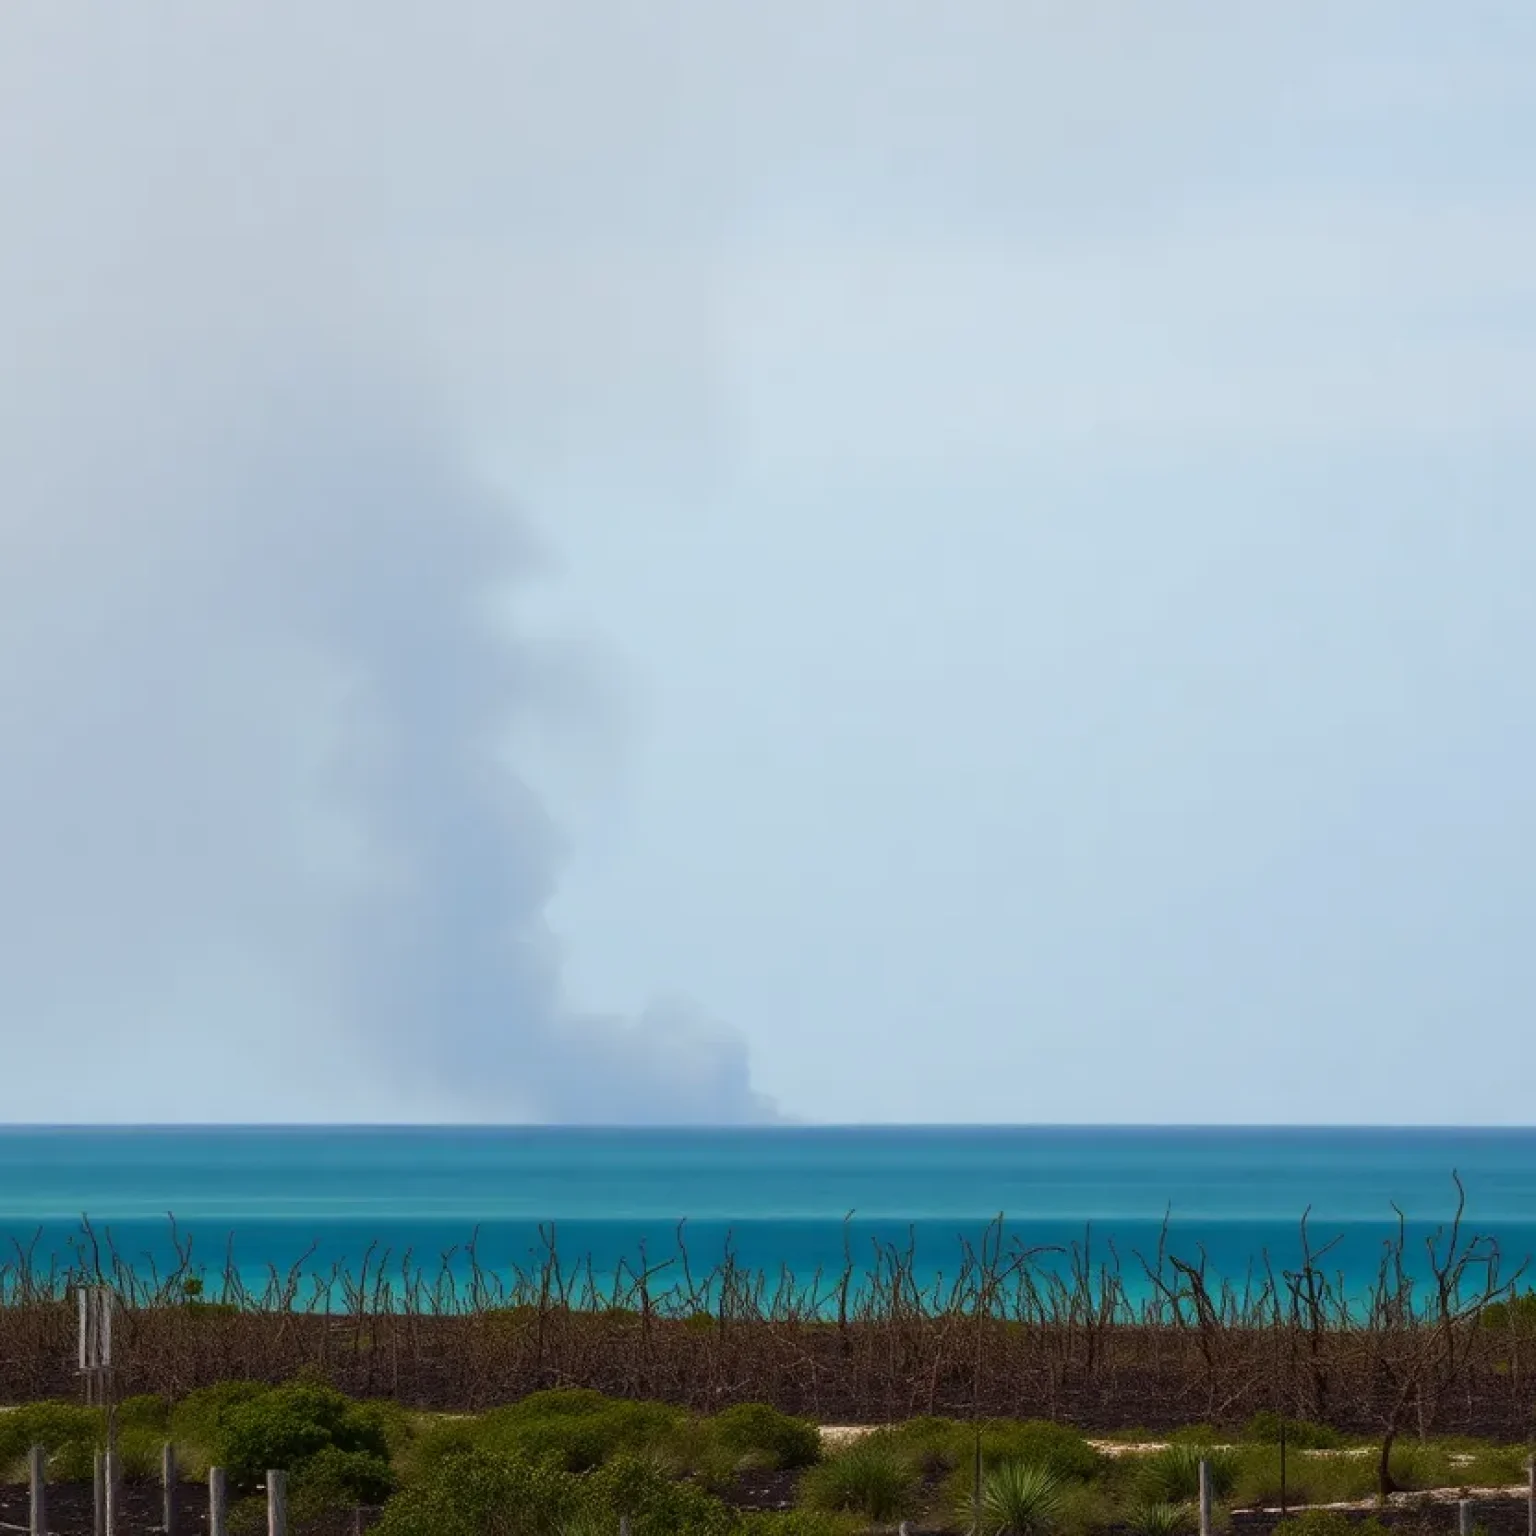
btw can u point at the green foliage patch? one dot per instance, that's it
(875, 1477)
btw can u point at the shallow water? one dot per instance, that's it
(779, 1197)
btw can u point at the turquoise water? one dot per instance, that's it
(778, 1196)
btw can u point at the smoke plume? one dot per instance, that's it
(266, 849)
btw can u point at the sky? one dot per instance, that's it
(700, 562)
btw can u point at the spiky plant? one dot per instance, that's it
(1172, 1475)
(1161, 1518)
(1020, 1498)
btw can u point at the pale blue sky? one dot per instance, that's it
(1004, 534)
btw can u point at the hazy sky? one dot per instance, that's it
(694, 560)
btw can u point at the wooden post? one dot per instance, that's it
(168, 1480)
(277, 1504)
(218, 1502)
(1530, 1497)
(114, 1491)
(99, 1484)
(37, 1475)
(1205, 1497)
(1464, 1517)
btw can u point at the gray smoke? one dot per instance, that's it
(266, 848)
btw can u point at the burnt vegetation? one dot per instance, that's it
(1441, 1341)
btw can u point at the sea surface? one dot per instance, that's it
(782, 1200)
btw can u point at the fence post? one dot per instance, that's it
(168, 1479)
(99, 1494)
(277, 1504)
(218, 1502)
(1205, 1497)
(37, 1476)
(1464, 1517)
(1530, 1497)
(114, 1479)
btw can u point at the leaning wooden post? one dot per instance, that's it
(1205, 1497)
(99, 1488)
(168, 1479)
(37, 1476)
(218, 1502)
(1464, 1517)
(277, 1504)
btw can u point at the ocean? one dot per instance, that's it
(783, 1200)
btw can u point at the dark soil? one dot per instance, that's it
(71, 1512)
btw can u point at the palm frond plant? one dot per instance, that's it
(1161, 1518)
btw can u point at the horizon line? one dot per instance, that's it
(702, 1127)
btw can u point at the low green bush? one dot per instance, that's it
(1172, 1475)
(799, 1522)
(875, 1476)
(655, 1504)
(69, 1432)
(336, 1479)
(1258, 1482)
(1041, 1443)
(288, 1427)
(1329, 1522)
(477, 1492)
(1161, 1519)
(1300, 1434)
(197, 1421)
(1516, 1315)
(757, 1435)
(480, 1492)
(581, 1430)
(143, 1427)
(949, 1446)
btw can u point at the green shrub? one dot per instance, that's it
(1492, 1466)
(337, 1479)
(1161, 1519)
(1258, 1480)
(654, 1503)
(287, 1427)
(476, 1493)
(1033, 1442)
(1328, 1522)
(935, 1445)
(197, 1421)
(1172, 1475)
(1192, 1434)
(1300, 1434)
(143, 1427)
(1516, 1315)
(1039, 1442)
(438, 1441)
(583, 1430)
(798, 1522)
(395, 1426)
(874, 1477)
(1019, 1498)
(763, 1437)
(69, 1432)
